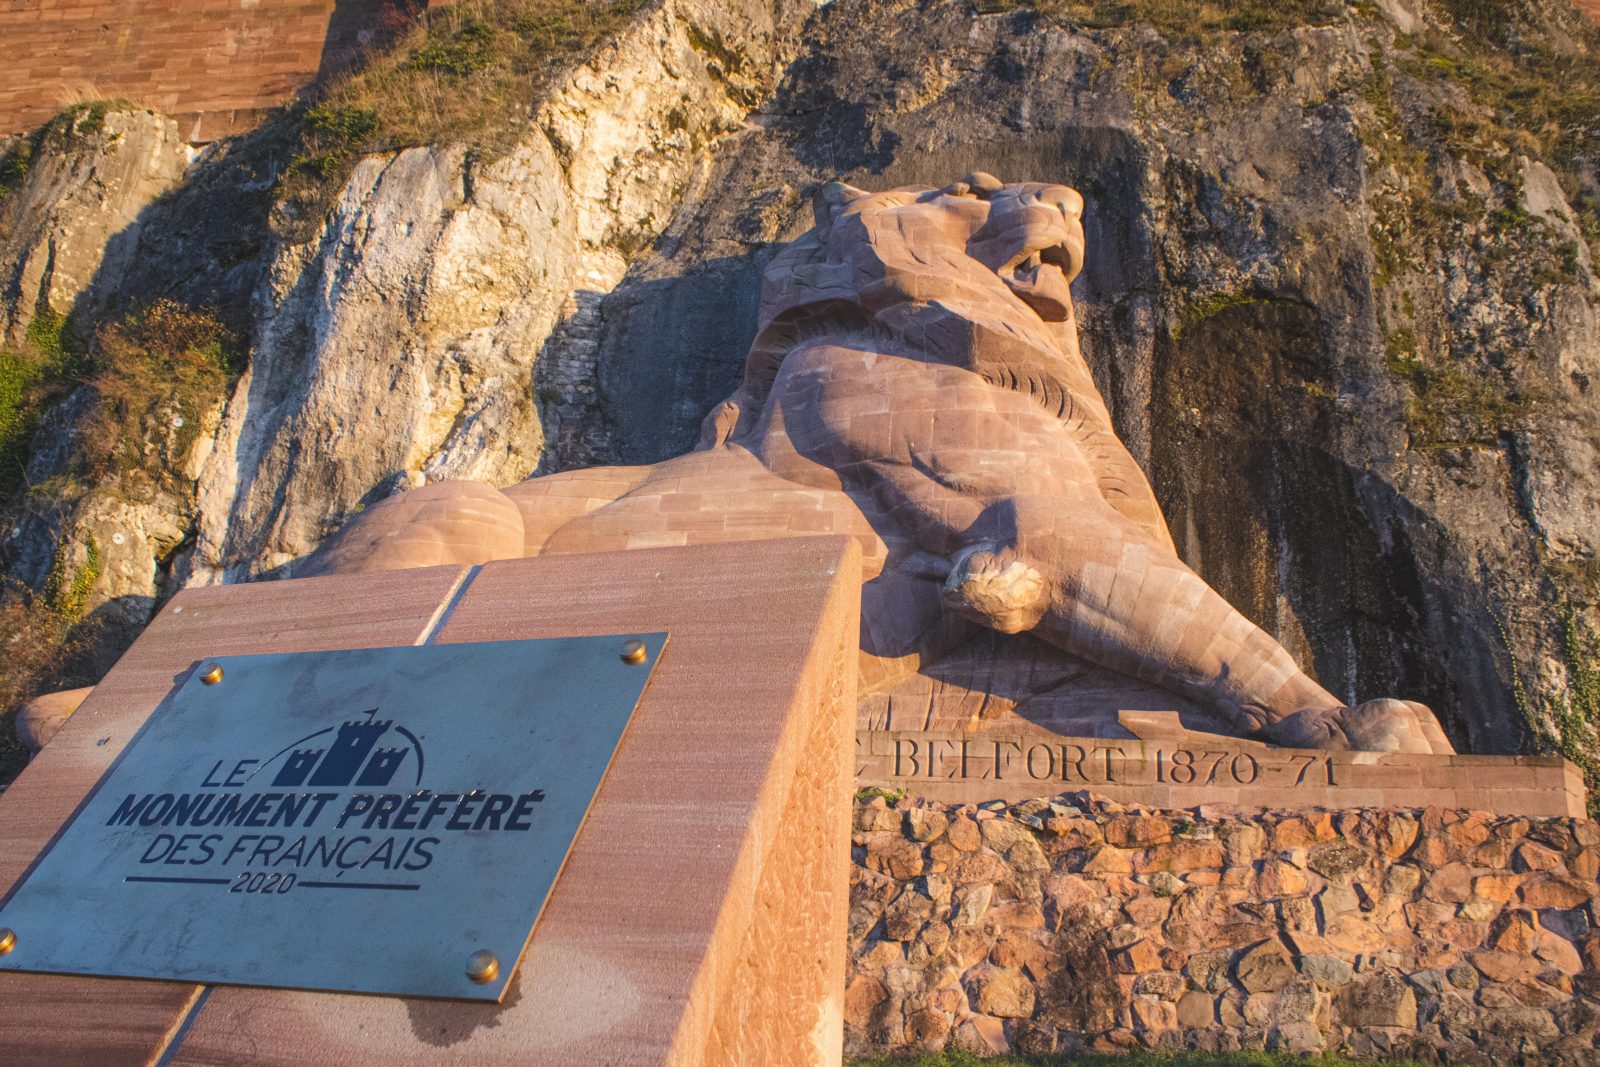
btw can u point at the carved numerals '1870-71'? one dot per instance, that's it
(923, 757)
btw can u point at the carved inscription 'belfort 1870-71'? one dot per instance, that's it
(923, 757)
(1170, 767)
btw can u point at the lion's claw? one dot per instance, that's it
(1375, 726)
(996, 588)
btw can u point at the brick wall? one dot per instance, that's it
(213, 63)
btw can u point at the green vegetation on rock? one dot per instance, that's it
(153, 373)
(1186, 21)
(1570, 728)
(32, 375)
(1212, 305)
(1576, 734)
(156, 373)
(151, 376)
(66, 591)
(467, 75)
(1516, 90)
(1449, 407)
(79, 120)
(1539, 94)
(41, 637)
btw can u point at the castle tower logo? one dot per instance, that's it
(352, 757)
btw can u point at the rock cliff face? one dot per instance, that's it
(77, 215)
(1340, 297)
(401, 344)
(68, 233)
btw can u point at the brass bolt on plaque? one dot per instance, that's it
(8, 940)
(633, 651)
(483, 966)
(212, 674)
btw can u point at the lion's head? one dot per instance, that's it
(974, 274)
(949, 242)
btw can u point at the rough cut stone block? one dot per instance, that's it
(1264, 968)
(1382, 1000)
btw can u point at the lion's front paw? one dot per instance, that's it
(1375, 726)
(994, 587)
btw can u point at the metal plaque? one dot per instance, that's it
(382, 820)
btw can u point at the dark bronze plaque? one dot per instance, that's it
(369, 821)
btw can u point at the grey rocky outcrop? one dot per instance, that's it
(396, 343)
(1356, 368)
(76, 212)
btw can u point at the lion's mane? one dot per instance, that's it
(889, 271)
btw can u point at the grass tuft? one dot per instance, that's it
(1182, 21)
(33, 376)
(1450, 407)
(157, 372)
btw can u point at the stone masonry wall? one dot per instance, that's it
(1075, 923)
(215, 64)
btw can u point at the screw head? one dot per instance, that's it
(8, 939)
(483, 966)
(633, 651)
(211, 673)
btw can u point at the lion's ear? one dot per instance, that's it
(832, 198)
(983, 183)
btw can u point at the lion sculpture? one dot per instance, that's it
(916, 382)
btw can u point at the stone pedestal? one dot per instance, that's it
(701, 916)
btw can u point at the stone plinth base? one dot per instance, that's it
(1074, 924)
(700, 917)
(1162, 764)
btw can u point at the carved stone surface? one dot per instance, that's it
(916, 383)
(1157, 761)
(40, 718)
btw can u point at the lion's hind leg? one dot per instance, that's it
(550, 502)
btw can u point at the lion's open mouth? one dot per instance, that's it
(1039, 278)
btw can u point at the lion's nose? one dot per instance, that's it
(1065, 200)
